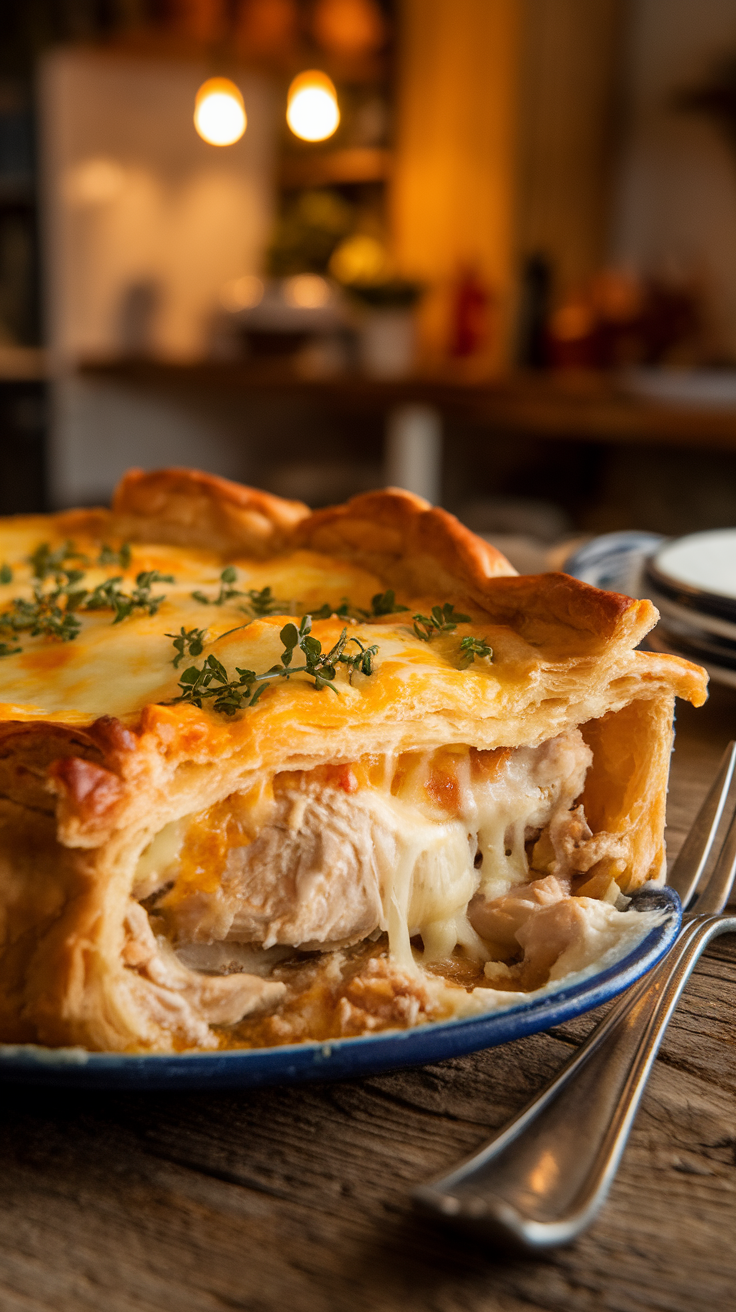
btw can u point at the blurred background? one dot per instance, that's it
(485, 250)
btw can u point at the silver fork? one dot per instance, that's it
(540, 1180)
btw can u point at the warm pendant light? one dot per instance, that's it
(219, 112)
(312, 110)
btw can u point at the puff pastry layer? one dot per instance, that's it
(436, 837)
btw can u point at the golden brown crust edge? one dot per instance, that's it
(410, 545)
(186, 507)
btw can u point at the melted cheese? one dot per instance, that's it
(317, 851)
(118, 669)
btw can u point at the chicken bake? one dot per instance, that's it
(270, 776)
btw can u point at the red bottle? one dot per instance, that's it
(471, 302)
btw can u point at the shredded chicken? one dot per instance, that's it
(567, 847)
(500, 921)
(501, 863)
(308, 878)
(191, 1001)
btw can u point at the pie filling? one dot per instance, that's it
(379, 892)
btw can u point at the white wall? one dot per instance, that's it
(134, 198)
(676, 207)
(99, 429)
(143, 222)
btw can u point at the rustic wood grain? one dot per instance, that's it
(297, 1199)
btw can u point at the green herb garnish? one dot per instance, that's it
(110, 595)
(44, 561)
(472, 647)
(227, 591)
(41, 617)
(385, 603)
(187, 643)
(342, 612)
(110, 556)
(6, 574)
(443, 619)
(211, 680)
(264, 603)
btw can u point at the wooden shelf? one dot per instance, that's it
(586, 408)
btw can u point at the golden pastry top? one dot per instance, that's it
(562, 652)
(118, 668)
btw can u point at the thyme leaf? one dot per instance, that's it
(6, 574)
(443, 619)
(41, 617)
(44, 561)
(110, 595)
(112, 556)
(264, 603)
(343, 612)
(211, 681)
(385, 603)
(227, 591)
(187, 643)
(472, 647)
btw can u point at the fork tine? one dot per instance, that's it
(718, 889)
(690, 864)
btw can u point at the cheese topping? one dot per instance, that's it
(463, 852)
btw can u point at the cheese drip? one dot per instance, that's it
(341, 853)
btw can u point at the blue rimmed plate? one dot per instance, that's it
(350, 1058)
(695, 623)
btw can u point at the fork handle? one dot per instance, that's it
(540, 1181)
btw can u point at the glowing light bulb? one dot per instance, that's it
(307, 291)
(242, 293)
(312, 110)
(219, 112)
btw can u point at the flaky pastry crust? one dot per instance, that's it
(93, 795)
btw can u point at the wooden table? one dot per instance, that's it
(296, 1199)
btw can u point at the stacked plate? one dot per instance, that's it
(691, 580)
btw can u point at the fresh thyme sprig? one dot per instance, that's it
(44, 561)
(211, 680)
(112, 556)
(343, 612)
(472, 647)
(109, 595)
(187, 643)
(443, 619)
(264, 603)
(227, 591)
(260, 602)
(385, 603)
(51, 612)
(45, 615)
(41, 617)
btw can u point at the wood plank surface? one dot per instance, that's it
(297, 1199)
